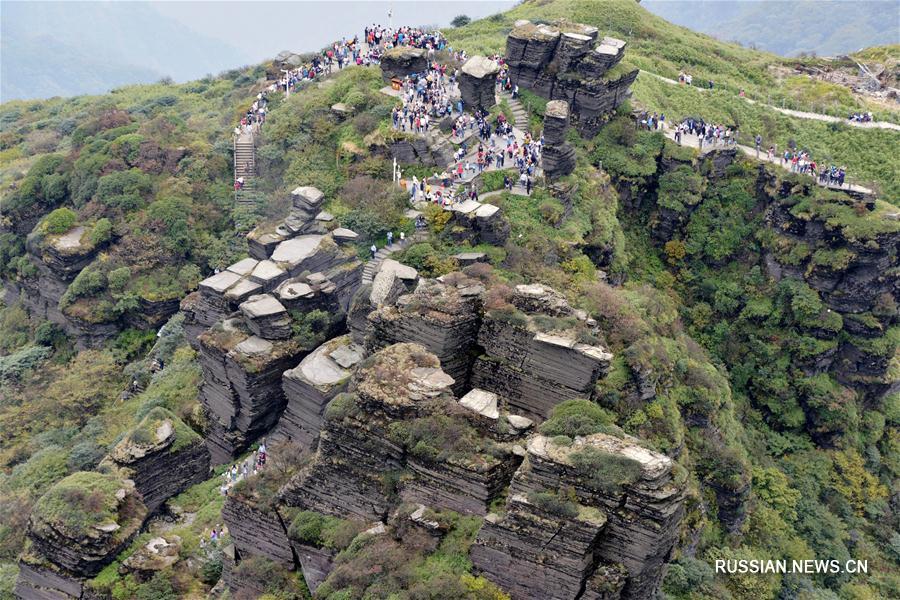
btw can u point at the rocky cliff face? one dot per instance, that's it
(564, 62)
(851, 264)
(75, 529)
(531, 369)
(600, 508)
(163, 457)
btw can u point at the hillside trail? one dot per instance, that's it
(434, 137)
(792, 113)
(693, 141)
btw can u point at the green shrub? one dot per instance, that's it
(555, 504)
(577, 417)
(319, 530)
(604, 471)
(119, 278)
(101, 232)
(60, 221)
(123, 189)
(85, 456)
(340, 407)
(14, 366)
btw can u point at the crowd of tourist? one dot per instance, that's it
(794, 160)
(863, 117)
(425, 98)
(707, 133)
(252, 465)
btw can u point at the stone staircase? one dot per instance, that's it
(520, 117)
(245, 166)
(371, 267)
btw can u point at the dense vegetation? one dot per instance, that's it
(710, 353)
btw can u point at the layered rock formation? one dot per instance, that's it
(163, 457)
(57, 260)
(401, 61)
(308, 387)
(242, 384)
(399, 414)
(75, 529)
(600, 514)
(477, 80)
(257, 529)
(558, 156)
(564, 62)
(531, 369)
(444, 318)
(478, 223)
(851, 267)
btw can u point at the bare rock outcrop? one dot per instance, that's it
(308, 387)
(563, 61)
(401, 61)
(163, 457)
(477, 81)
(533, 369)
(618, 503)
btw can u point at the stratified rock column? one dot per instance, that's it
(558, 157)
(476, 83)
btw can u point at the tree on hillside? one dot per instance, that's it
(460, 21)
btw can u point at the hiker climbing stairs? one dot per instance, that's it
(245, 167)
(371, 267)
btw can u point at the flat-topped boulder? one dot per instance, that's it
(219, 283)
(343, 235)
(307, 197)
(443, 317)
(477, 81)
(464, 259)
(400, 61)
(266, 317)
(242, 290)
(243, 267)
(309, 386)
(296, 250)
(481, 402)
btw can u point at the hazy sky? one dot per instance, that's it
(262, 29)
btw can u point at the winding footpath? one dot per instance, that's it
(792, 113)
(693, 141)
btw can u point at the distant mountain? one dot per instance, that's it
(823, 27)
(71, 48)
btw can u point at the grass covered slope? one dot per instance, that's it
(660, 47)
